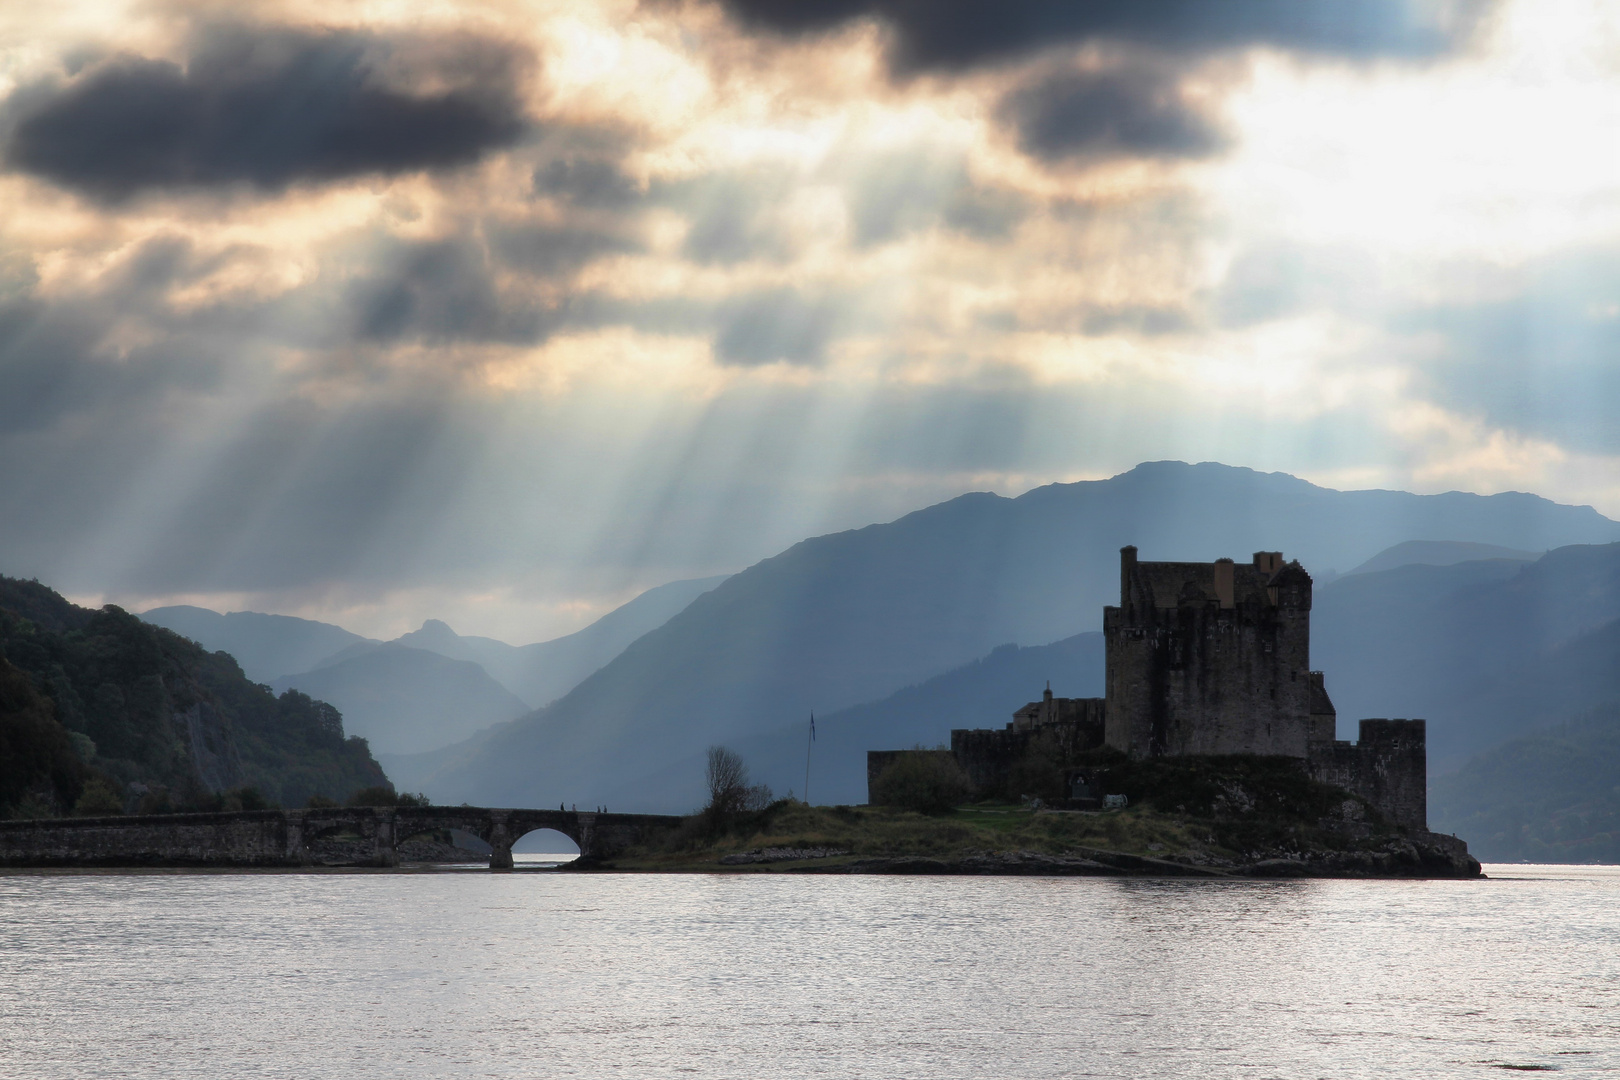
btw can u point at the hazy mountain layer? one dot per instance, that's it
(266, 646)
(1551, 796)
(544, 671)
(407, 700)
(852, 617)
(1439, 553)
(1483, 650)
(982, 694)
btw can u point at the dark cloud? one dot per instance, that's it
(1137, 110)
(1133, 112)
(43, 364)
(915, 188)
(959, 34)
(443, 290)
(61, 359)
(731, 213)
(267, 108)
(553, 250)
(1544, 360)
(775, 325)
(453, 289)
(985, 212)
(595, 183)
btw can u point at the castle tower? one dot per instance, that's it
(1213, 658)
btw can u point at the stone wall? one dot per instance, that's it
(987, 755)
(876, 762)
(1069, 725)
(250, 838)
(1388, 767)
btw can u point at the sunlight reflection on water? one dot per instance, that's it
(478, 974)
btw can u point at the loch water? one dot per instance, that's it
(473, 974)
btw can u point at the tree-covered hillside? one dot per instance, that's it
(1552, 796)
(99, 700)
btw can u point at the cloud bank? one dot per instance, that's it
(501, 318)
(267, 107)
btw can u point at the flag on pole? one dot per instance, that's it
(807, 744)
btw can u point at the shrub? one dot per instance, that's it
(373, 796)
(927, 781)
(1035, 776)
(41, 769)
(383, 795)
(251, 798)
(35, 804)
(99, 799)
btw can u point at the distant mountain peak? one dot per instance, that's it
(433, 633)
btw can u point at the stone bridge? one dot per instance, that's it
(284, 837)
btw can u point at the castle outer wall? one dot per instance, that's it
(1388, 766)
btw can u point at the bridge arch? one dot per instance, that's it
(545, 840)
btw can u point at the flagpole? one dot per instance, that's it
(809, 739)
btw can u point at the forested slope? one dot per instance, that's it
(140, 707)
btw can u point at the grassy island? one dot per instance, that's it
(1242, 816)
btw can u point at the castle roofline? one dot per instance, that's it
(1264, 580)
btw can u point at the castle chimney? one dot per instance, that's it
(1268, 562)
(1127, 567)
(1224, 575)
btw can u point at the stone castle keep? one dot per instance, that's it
(1212, 658)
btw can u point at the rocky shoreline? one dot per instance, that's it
(1425, 855)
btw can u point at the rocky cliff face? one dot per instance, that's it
(215, 761)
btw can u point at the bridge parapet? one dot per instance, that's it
(284, 837)
(245, 838)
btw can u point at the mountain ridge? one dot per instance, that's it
(847, 618)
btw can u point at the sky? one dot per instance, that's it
(502, 312)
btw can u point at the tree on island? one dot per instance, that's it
(729, 790)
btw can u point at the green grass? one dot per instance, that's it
(1208, 810)
(878, 832)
